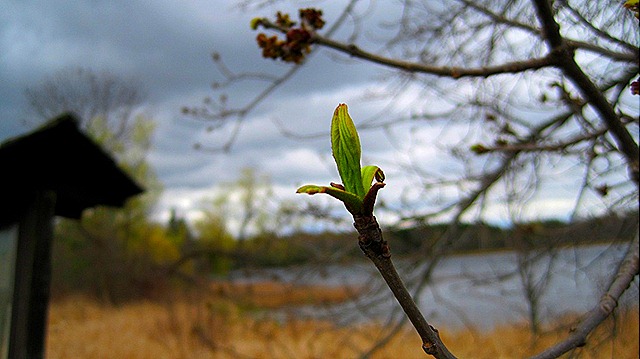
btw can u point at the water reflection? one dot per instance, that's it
(479, 290)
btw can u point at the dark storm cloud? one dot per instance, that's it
(166, 47)
(163, 45)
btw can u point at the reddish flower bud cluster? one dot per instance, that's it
(312, 17)
(292, 49)
(283, 20)
(298, 39)
(271, 46)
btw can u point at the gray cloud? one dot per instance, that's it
(166, 46)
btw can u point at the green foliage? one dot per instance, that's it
(247, 200)
(115, 253)
(247, 203)
(477, 237)
(216, 242)
(350, 200)
(345, 145)
(356, 191)
(369, 173)
(269, 250)
(177, 229)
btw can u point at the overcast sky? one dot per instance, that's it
(166, 46)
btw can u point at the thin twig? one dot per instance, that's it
(566, 62)
(409, 66)
(377, 250)
(551, 147)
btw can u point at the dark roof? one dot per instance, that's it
(59, 157)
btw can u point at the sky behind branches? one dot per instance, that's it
(166, 46)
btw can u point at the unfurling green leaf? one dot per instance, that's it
(368, 174)
(356, 191)
(351, 201)
(345, 145)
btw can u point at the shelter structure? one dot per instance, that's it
(55, 170)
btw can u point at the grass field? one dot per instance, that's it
(226, 323)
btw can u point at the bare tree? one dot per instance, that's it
(541, 87)
(109, 108)
(106, 104)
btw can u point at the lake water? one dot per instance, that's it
(479, 290)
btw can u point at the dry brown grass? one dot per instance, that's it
(194, 326)
(269, 294)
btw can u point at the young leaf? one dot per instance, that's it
(345, 145)
(356, 191)
(368, 174)
(350, 200)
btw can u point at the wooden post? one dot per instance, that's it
(32, 277)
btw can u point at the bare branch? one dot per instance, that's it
(601, 33)
(501, 19)
(453, 72)
(377, 250)
(240, 113)
(536, 147)
(629, 268)
(409, 66)
(631, 56)
(565, 61)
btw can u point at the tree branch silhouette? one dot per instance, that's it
(377, 250)
(629, 268)
(566, 62)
